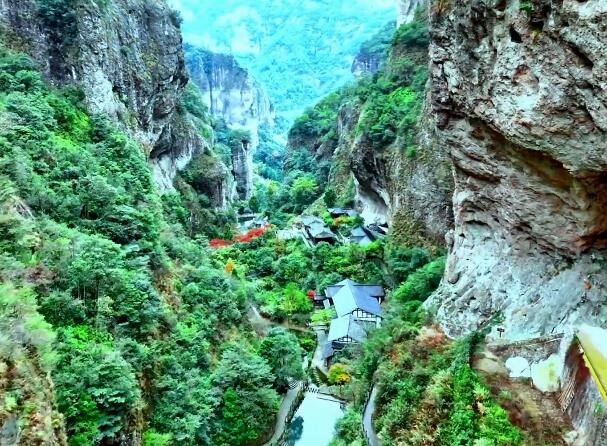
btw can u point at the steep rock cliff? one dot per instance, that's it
(380, 143)
(374, 52)
(517, 92)
(232, 94)
(127, 57)
(406, 11)
(125, 54)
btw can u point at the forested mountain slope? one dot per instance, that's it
(300, 51)
(116, 328)
(373, 137)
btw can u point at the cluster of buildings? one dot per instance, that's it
(248, 220)
(315, 230)
(358, 309)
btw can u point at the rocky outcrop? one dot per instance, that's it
(125, 54)
(230, 91)
(411, 192)
(232, 94)
(127, 57)
(374, 52)
(367, 63)
(518, 95)
(406, 11)
(179, 145)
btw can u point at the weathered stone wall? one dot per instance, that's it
(518, 95)
(231, 93)
(127, 56)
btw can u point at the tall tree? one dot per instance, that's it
(284, 355)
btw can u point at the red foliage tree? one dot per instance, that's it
(219, 243)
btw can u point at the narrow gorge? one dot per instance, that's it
(328, 223)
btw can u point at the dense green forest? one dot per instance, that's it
(299, 51)
(133, 317)
(138, 328)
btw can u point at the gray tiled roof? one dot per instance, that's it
(346, 326)
(311, 219)
(320, 231)
(328, 350)
(371, 290)
(358, 232)
(351, 297)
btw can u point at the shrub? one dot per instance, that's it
(420, 284)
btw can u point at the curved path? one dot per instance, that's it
(262, 326)
(368, 428)
(281, 418)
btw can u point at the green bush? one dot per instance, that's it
(124, 277)
(412, 34)
(420, 284)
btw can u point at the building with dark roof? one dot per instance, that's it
(358, 311)
(346, 330)
(360, 236)
(375, 291)
(317, 231)
(308, 220)
(343, 212)
(353, 300)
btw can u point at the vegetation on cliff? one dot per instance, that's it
(301, 52)
(428, 392)
(388, 106)
(143, 333)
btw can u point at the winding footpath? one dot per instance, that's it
(370, 433)
(283, 412)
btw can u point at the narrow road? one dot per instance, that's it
(368, 420)
(281, 418)
(317, 361)
(262, 326)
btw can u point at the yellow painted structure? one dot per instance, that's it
(594, 343)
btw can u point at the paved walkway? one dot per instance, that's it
(317, 361)
(281, 420)
(262, 326)
(370, 433)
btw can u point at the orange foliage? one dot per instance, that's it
(230, 266)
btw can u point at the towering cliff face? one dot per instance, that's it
(127, 57)
(125, 54)
(232, 94)
(406, 11)
(517, 91)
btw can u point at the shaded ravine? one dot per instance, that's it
(369, 430)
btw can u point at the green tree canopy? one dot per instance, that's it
(284, 355)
